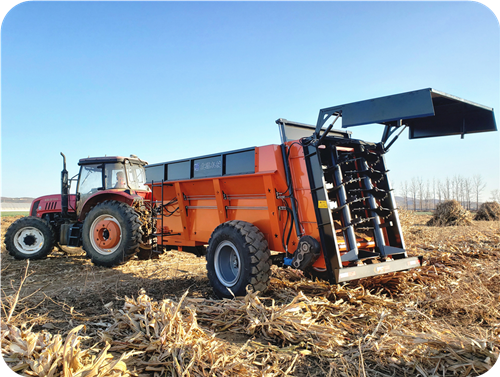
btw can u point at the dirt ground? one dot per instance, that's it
(66, 289)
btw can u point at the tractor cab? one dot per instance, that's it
(107, 173)
(110, 175)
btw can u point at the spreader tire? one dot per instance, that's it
(111, 233)
(30, 238)
(238, 256)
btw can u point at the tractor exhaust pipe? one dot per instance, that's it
(64, 188)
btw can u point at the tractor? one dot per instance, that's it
(108, 215)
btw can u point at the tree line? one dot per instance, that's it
(424, 195)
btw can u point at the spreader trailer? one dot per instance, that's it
(321, 201)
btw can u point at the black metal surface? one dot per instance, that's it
(64, 188)
(308, 250)
(176, 171)
(155, 173)
(453, 116)
(227, 163)
(324, 219)
(294, 130)
(427, 113)
(239, 162)
(157, 215)
(343, 203)
(71, 234)
(110, 159)
(290, 190)
(353, 197)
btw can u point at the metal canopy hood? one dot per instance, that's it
(426, 112)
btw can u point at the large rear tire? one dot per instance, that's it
(111, 233)
(238, 256)
(29, 238)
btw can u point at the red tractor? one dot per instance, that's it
(108, 215)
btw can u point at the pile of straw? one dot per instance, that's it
(450, 213)
(489, 211)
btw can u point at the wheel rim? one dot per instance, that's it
(105, 234)
(29, 240)
(227, 263)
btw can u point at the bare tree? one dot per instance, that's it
(434, 189)
(447, 189)
(421, 191)
(424, 194)
(457, 187)
(495, 195)
(467, 192)
(478, 187)
(413, 190)
(428, 194)
(439, 190)
(404, 193)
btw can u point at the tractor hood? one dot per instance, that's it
(426, 112)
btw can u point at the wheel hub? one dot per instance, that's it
(107, 234)
(30, 240)
(227, 263)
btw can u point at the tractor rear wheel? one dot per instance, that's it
(238, 256)
(111, 233)
(29, 238)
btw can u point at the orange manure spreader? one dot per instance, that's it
(320, 201)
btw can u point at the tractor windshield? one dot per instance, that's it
(126, 175)
(136, 176)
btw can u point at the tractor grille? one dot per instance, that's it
(50, 206)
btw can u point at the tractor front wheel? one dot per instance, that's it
(29, 238)
(111, 233)
(238, 256)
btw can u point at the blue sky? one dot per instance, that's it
(170, 80)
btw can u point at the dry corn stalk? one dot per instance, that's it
(171, 341)
(441, 319)
(43, 354)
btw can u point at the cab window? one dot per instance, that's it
(90, 179)
(136, 175)
(115, 176)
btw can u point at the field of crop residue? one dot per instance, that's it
(62, 316)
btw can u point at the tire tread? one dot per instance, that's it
(260, 256)
(131, 217)
(32, 222)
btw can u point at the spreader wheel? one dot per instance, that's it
(29, 238)
(238, 256)
(111, 233)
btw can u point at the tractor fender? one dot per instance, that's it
(99, 197)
